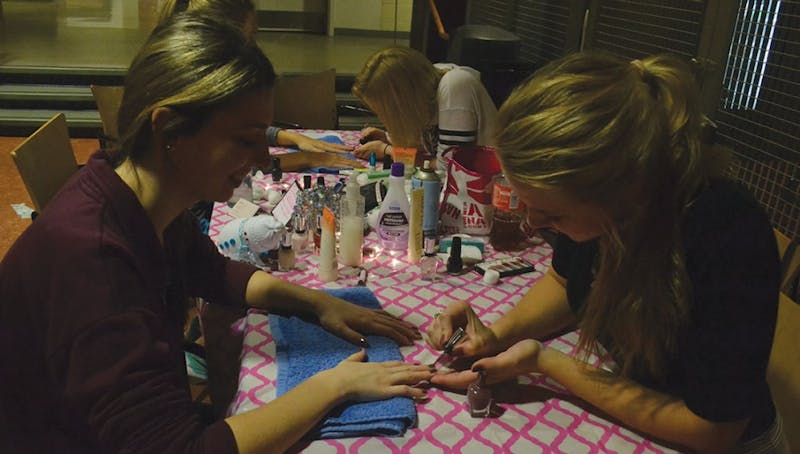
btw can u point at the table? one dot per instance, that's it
(537, 414)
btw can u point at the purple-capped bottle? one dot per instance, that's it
(394, 214)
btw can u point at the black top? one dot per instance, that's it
(733, 265)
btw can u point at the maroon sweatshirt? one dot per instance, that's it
(91, 312)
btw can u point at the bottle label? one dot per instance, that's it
(504, 198)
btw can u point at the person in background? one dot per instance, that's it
(660, 261)
(94, 290)
(424, 106)
(243, 14)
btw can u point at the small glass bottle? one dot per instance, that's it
(479, 397)
(300, 236)
(506, 232)
(429, 263)
(286, 256)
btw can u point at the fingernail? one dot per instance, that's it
(363, 342)
(422, 384)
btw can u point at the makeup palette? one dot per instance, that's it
(509, 266)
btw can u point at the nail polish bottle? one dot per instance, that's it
(479, 397)
(429, 263)
(277, 172)
(454, 262)
(286, 257)
(299, 237)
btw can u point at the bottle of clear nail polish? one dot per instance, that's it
(429, 263)
(479, 397)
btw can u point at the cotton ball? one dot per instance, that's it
(491, 277)
(273, 196)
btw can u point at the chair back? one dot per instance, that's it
(108, 99)
(306, 101)
(783, 373)
(45, 160)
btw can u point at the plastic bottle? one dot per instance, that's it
(427, 179)
(394, 214)
(351, 239)
(506, 233)
(328, 267)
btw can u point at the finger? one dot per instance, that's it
(337, 148)
(454, 380)
(350, 335)
(358, 356)
(394, 319)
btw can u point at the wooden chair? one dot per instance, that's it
(108, 100)
(783, 373)
(306, 101)
(45, 160)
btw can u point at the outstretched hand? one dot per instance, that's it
(375, 381)
(353, 323)
(306, 143)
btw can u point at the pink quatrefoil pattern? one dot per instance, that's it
(536, 416)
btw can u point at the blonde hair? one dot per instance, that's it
(624, 136)
(400, 85)
(194, 64)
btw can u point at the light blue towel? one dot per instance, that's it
(304, 349)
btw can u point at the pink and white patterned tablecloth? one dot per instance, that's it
(537, 415)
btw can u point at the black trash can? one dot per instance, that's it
(495, 53)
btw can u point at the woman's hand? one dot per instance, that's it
(369, 133)
(304, 160)
(520, 358)
(480, 339)
(375, 146)
(363, 382)
(306, 143)
(353, 323)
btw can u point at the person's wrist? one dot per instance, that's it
(548, 359)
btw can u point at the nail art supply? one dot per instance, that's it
(451, 344)
(510, 266)
(479, 397)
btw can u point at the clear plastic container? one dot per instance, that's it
(506, 232)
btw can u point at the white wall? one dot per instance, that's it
(370, 14)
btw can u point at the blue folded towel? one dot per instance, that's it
(330, 138)
(303, 349)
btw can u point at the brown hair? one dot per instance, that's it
(399, 84)
(236, 11)
(194, 64)
(624, 136)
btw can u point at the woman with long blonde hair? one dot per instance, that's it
(659, 260)
(424, 106)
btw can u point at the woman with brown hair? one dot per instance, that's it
(659, 259)
(94, 290)
(242, 13)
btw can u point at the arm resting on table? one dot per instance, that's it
(663, 416)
